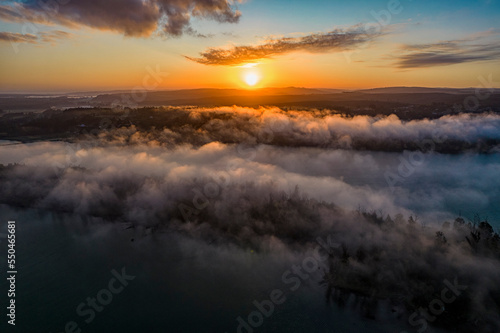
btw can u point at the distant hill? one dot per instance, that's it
(378, 99)
(417, 90)
(169, 95)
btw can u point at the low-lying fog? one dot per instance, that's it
(432, 186)
(235, 217)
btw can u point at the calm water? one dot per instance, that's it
(179, 286)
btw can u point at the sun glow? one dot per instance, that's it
(252, 78)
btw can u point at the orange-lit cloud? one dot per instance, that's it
(332, 41)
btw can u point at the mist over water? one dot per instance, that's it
(214, 218)
(436, 187)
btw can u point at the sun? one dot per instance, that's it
(252, 78)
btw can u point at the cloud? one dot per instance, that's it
(14, 37)
(332, 41)
(42, 37)
(292, 128)
(136, 18)
(274, 151)
(450, 52)
(142, 183)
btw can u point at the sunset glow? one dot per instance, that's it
(347, 45)
(252, 79)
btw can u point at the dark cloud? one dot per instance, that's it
(179, 13)
(335, 40)
(129, 17)
(41, 37)
(448, 53)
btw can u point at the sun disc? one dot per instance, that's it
(251, 79)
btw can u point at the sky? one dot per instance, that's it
(91, 45)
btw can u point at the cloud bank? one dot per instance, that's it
(332, 41)
(136, 18)
(142, 181)
(313, 128)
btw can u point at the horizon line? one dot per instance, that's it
(118, 90)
